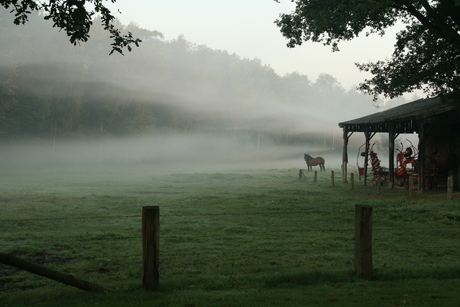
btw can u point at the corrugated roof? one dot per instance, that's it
(407, 113)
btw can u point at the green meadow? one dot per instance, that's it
(255, 237)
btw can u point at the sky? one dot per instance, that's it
(247, 28)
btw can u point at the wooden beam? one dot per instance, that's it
(346, 137)
(421, 156)
(391, 152)
(50, 273)
(368, 135)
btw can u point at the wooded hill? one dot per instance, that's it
(50, 89)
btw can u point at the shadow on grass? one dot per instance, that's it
(306, 278)
(303, 278)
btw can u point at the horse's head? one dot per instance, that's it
(307, 157)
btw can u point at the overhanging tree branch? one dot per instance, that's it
(74, 17)
(427, 51)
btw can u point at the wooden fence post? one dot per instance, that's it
(450, 186)
(352, 179)
(363, 240)
(332, 178)
(316, 177)
(150, 246)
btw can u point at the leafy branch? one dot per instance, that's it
(74, 17)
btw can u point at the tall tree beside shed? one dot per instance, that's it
(427, 51)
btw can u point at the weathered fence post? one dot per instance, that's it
(363, 240)
(450, 186)
(352, 179)
(150, 246)
(332, 178)
(315, 177)
(300, 174)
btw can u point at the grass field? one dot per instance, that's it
(228, 238)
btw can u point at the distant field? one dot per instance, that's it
(227, 238)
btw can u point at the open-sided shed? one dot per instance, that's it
(435, 120)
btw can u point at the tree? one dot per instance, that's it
(74, 17)
(427, 52)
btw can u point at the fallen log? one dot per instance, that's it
(50, 273)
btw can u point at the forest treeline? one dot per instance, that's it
(52, 90)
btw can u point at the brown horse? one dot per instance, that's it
(314, 162)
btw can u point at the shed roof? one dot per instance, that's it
(404, 117)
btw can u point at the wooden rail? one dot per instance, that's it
(50, 273)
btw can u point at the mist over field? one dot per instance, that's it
(171, 104)
(163, 154)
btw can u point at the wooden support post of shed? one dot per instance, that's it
(346, 136)
(150, 246)
(450, 186)
(366, 156)
(391, 152)
(421, 156)
(368, 135)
